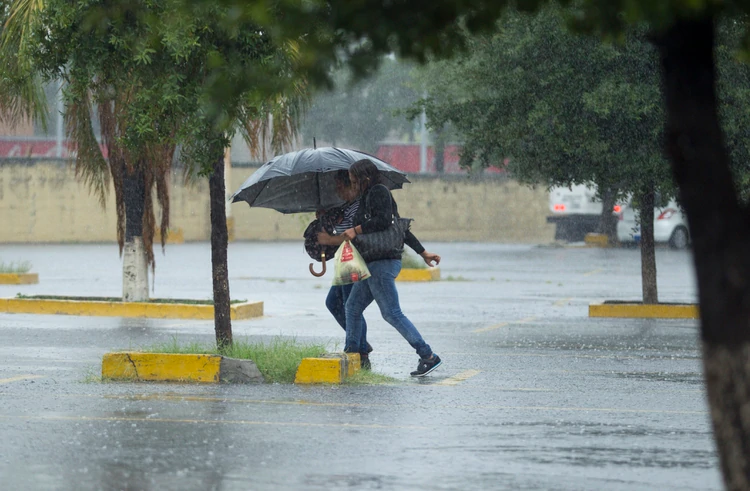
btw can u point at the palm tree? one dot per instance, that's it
(145, 76)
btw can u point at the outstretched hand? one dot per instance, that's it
(429, 257)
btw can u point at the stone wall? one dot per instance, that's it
(44, 202)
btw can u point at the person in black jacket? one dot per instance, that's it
(338, 294)
(375, 213)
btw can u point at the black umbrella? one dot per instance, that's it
(304, 181)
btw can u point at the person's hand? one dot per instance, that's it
(349, 234)
(429, 257)
(324, 237)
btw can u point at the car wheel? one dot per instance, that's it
(679, 239)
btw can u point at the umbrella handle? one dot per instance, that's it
(323, 271)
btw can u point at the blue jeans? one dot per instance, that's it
(336, 303)
(381, 287)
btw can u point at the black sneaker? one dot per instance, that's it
(364, 362)
(427, 366)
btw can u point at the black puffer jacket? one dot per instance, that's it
(378, 216)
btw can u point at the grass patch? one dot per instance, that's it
(456, 278)
(410, 261)
(277, 360)
(368, 377)
(91, 375)
(119, 299)
(15, 267)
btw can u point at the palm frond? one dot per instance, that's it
(90, 165)
(22, 96)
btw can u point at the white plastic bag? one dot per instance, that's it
(349, 267)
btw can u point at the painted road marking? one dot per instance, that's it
(593, 272)
(216, 421)
(562, 302)
(503, 324)
(19, 378)
(458, 378)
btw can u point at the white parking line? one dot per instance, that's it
(19, 378)
(458, 378)
(562, 302)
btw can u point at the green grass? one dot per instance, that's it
(367, 377)
(119, 299)
(15, 267)
(410, 261)
(455, 278)
(277, 360)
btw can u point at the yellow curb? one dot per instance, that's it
(174, 235)
(636, 310)
(596, 240)
(332, 368)
(413, 274)
(19, 278)
(230, 229)
(121, 309)
(163, 367)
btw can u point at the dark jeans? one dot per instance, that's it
(381, 287)
(336, 303)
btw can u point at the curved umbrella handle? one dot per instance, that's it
(323, 271)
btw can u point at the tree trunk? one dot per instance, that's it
(718, 224)
(648, 255)
(607, 220)
(219, 241)
(134, 262)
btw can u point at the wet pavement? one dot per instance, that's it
(533, 394)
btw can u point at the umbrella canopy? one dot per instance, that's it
(304, 180)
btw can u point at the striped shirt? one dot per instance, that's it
(348, 221)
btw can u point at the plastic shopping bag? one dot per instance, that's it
(349, 267)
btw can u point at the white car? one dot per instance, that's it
(670, 226)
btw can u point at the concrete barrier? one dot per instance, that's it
(332, 368)
(153, 310)
(644, 311)
(419, 274)
(19, 278)
(174, 367)
(42, 201)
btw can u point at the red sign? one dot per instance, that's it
(26, 148)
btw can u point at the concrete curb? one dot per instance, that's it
(120, 309)
(414, 274)
(641, 311)
(172, 367)
(331, 368)
(19, 278)
(596, 240)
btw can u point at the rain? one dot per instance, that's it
(558, 306)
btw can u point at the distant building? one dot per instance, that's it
(405, 157)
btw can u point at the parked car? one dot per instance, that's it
(670, 225)
(575, 211)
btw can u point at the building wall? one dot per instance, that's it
(44, 202)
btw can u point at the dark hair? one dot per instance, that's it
(366, 172)
(342, 176)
